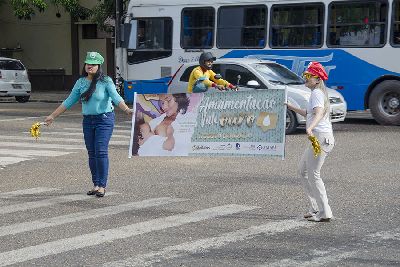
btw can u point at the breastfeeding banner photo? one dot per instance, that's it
(243, 123)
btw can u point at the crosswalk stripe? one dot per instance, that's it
(114, 131)
(44, 134)
(129, 127)
(29, 191)
(45, 203)
(210, 243)
(40, 145)
(32, 153)
(327, 258)
(384, 235)
(79, 216)
(11, 160)
(92, 239)
(18, 119)
(64, 140)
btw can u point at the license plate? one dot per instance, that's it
(17, 86)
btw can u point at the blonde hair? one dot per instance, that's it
(322, 87)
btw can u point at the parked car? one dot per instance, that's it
(255, 74)
(14, 80)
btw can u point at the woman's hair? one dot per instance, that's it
(99, 76)
(322, 87)
(183, 102)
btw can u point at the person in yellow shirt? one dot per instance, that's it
(202, 77)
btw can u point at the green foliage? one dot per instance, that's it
(100, 14)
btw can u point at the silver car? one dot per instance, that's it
(255, 74)
(14, 80)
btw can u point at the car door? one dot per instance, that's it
(238, 75)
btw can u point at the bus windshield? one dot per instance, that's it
(276, 73)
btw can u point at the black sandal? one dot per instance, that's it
(92, 192)
(100, 194)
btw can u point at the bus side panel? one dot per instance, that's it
(159, 86)
(348, 74)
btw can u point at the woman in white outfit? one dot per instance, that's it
(319, 125)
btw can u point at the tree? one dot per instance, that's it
(101, 14)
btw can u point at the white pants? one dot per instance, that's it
(309, 171)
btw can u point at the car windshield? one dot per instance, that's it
(276, 73)
(10, 65)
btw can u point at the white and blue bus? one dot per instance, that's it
(358, 42)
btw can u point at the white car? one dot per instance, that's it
(255, 74)
(14, 80)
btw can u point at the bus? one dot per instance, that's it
(358, 42)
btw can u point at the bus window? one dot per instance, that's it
(299, 26)
(154, 40)
(242, 27)
(197, 27)
(396, 24)
(357, 24)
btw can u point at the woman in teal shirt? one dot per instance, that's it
(96, 91)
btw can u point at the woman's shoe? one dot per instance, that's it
(318, 219)
(100, 194)
(92, 192)
(310, 214)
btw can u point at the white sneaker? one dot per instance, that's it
(316, 218)
(310, 214)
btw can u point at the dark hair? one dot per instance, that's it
(183, 102)
(99, 76)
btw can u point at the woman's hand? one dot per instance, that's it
(49, 120)
(309, 131)
(129, 112)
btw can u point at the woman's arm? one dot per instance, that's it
(302, 112)
(125, 108)
(59, 110)
(319, 114)
(169, 143)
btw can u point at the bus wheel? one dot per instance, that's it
(384, 102)
(291, 122)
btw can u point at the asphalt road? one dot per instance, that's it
(192, 211)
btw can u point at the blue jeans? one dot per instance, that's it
(97, 131)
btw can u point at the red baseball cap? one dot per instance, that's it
(316, 69)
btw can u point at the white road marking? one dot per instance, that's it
(45, 203)
(384, 235)
(84, 215)
(37, 144)
(202, 245)
(32, 153)
(29, 191)
(11, 160)
(114, 131)
(327, 258)
(92, 239)
(44, 134)
(19, 119)
(56, 139)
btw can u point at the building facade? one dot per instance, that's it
(53, 46)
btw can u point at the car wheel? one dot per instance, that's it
(22, 99)
(384, 103)
(291, 122)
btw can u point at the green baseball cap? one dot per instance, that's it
(94, 58)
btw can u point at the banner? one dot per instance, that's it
(243, 123)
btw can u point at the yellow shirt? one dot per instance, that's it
(209, 74)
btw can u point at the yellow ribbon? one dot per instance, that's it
(316, 146)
